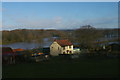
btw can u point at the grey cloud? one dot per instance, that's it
(59, 22)
(104, 22)
(28, 22)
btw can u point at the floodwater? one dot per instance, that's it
(24, 45)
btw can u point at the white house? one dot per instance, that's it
(61, 47)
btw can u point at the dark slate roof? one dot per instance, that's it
(7, 50)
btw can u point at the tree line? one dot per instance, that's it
(26, 35)
(86, 35)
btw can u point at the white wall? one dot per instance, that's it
(68, 48)
(54, 51)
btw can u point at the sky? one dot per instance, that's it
(60, 0)
(58, 15)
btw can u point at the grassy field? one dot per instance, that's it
(57, 68)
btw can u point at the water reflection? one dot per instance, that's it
(24, 45)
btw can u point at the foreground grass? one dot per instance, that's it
(57, 68)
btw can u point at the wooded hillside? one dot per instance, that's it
(84, 36)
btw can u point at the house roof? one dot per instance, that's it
(64, 42)
(16, 50)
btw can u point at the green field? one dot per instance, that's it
(59, 68)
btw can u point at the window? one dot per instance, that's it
(67, 51)
(58, 48)
(63, 52)
(63, 48)
(69, 46)
(70, 51)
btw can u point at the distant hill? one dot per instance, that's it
(87, 27)
(29, 35)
